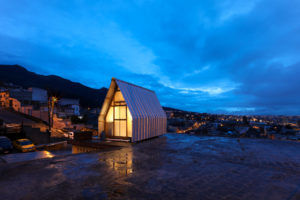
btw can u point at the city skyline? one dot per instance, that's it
(231, 58)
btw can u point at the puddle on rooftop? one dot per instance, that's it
(119, 161)
(80, 149)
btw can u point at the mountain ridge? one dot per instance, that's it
(55, 85)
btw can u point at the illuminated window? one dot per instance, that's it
(118, 118)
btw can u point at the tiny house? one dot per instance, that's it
(131, 112)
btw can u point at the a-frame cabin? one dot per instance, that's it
(131, 112)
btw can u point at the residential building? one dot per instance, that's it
(22, 95)
(8, 102)
(4, 95)
(39, 95)
(68, 107)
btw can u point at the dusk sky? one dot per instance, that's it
(240, 57)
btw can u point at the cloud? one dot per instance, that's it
(205, 56)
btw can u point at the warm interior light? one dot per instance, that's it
(116, 123)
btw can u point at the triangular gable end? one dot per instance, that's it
(147, 118)
(105, 106)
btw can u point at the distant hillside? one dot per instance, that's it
(178, 110)
(172, 109)
(61, 87)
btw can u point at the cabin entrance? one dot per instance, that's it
(120, 119)
(118, 122)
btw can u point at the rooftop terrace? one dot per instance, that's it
(169, 167)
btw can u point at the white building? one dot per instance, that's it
(39, 95)
(69, 106)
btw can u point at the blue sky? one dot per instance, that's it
(240, 57)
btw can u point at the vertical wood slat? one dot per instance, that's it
(148, 117)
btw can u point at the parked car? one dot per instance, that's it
(5, 145)
(71, 134)
(68, 134)
(229, 133)
(24, 145)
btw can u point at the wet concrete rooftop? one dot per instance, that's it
(169, 167)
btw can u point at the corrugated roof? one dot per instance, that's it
(142, 102)
(148, 117)
(132, 84)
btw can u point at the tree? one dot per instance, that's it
(51, 103)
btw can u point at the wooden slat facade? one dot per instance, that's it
(148, 118)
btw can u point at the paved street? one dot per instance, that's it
(169, 167)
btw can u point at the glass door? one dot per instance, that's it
(120, 119)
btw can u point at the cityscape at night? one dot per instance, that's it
(148, 99)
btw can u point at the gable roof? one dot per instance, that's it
(142, 102)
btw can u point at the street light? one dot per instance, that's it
(51, 102)
(54, 99)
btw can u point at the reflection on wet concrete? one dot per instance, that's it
(119, 161)
(81, 149)
(20, 157)
(65, 150)
(168, 167)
